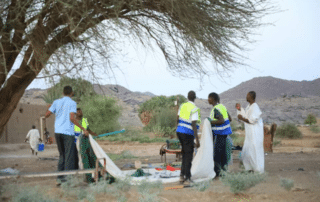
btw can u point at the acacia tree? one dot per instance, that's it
(54, 37)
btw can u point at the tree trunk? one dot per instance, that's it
(12, 93)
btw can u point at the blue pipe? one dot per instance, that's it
(112, 133)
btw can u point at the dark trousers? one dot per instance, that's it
(187, 143)
(68, 154)
(220, 153)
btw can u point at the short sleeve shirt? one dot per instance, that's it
(194, 116)
(62, 109)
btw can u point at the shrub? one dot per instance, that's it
(315, 129)
(202, 186)
(240, 182)
(288, 130)
(29, 194)
(311, 119)
(80, 87)
(163, 115)
(149, 191)
(236, 126)
(123, 184)
(102, 113)
(237, 140)
(286, 183)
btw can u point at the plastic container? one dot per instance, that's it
(40, 147)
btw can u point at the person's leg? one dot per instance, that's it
(183, 161)
(189, 148)
(71, 155)
(32, 151)
(85, 157)
(220, 157)
(60, 145)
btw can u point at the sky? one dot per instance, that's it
(289, 49)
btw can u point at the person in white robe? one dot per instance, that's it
(252, 151)
(34, 137)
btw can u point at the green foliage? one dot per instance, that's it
(288, 130)
(286, 183)
(237, 140)
(123, 184)
(164, 117)
(29, 194)
(276, 142)
(311, 119)
(102, 113)
(202, 186)
(123, 155)
(315, 129)
(80, 87)
(236, 126)
(240, 182)
(132, 135)
(155, 104)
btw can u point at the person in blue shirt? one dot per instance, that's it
(65, 110)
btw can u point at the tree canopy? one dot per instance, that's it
(56, 37)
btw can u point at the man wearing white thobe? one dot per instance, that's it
(252, 151)
(34, 138)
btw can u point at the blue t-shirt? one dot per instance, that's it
(62, 109)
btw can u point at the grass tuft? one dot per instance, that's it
(28, 194)
(288, 130)
(237, 140)
(123, 185)
(240, 182)
(149, 191)
(276, 142)
(286, 183)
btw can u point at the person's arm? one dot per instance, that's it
(219, 117)
(230, 118)
(195, 130)
(177, 120)
(91, 132)
(240, 117)
(75, 122)
(48, 113)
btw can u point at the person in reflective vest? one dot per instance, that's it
(221, 129)
(188, 121)
(86, 153)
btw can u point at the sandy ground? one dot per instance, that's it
(287, 158)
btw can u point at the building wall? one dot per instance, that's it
(21, 121)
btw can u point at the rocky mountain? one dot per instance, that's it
(280, 100)
(269, 88)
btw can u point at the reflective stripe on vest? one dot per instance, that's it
(84, 123)
(185, 121)
(225, 128)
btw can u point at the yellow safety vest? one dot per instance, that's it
(84, 123)
(186, 111)
(225, 128)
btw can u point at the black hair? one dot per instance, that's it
(67, 90)
(33, 126)
(78, 109)
(215, 96)
(253, 95)
(191, 95)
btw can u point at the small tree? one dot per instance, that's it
(81, 88)
(311, 119)
(288, 130)
(102, 113)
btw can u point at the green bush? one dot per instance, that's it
(202, 186)
(80, 87)
(237, 140)
(149, 191)
(132, 135)
(288, 130)
(315, 129)
(102, 113)
(311, 119)
(164, 117)
(286, 183)
(240, 182)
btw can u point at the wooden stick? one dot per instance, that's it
(49, 174)
(174, 187)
